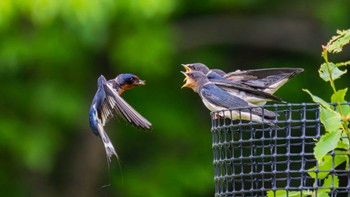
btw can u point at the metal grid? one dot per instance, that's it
(251, 159)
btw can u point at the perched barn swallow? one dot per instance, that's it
(216, 99)
(265, 80)
(107, 103)
(245, 92)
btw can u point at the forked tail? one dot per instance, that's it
(110, 151)
(109, 148)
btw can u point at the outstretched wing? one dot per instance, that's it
(227, 84)
(263, 77)
(113, 104)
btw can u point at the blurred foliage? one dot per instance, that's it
(51, 53)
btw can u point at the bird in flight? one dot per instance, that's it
(108, 103)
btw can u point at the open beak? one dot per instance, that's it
(186, 67)
(141, 82)
(186, 77)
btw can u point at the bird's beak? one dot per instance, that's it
(186, 77)
(141, 82)
(186, 67)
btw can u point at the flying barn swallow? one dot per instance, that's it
(107, 103)
(267, 80)
(216, 99)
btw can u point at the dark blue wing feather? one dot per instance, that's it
(224, 83)
(263, 77)
(107, 103)
(220, 98)
(115, 104)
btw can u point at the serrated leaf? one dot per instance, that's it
(327, 143)
(347, 63)
(332, 71)
(317, 99)
(336, 44)
(327, 165)
(330, 119)
(283, 193)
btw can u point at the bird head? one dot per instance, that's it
(128, 81)
(196, 67)
(194, 80)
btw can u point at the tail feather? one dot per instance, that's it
(110, 151)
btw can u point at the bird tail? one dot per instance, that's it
(110, 151)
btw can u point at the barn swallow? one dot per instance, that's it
(245, 92)
(107, 103)
(216, 99)
(265, 80)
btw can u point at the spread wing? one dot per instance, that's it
(242, 87)
(218, 97)
(113, 104)
(263, 77)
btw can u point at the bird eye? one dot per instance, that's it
(131, 80)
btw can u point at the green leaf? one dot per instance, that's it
(343, 143)
(347, 63)
(339, 95)
(332, 71)
(322, 194)
(345, 109)
(327, 143)
(327, 164)
(335, 45)
(330, 119)
(283, 193)
(317, 99)
(330, 181)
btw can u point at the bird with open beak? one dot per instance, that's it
(267, 80)
(216, 99)
(107, 103)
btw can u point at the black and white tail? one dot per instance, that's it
(110, 151)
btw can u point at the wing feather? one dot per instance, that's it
(233, 85)
(263, 77)
(220, 98)
(116, 105)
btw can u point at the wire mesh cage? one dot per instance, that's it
(276, 159)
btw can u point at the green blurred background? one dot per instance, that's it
(52, 52)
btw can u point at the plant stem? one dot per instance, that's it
(331, 81)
